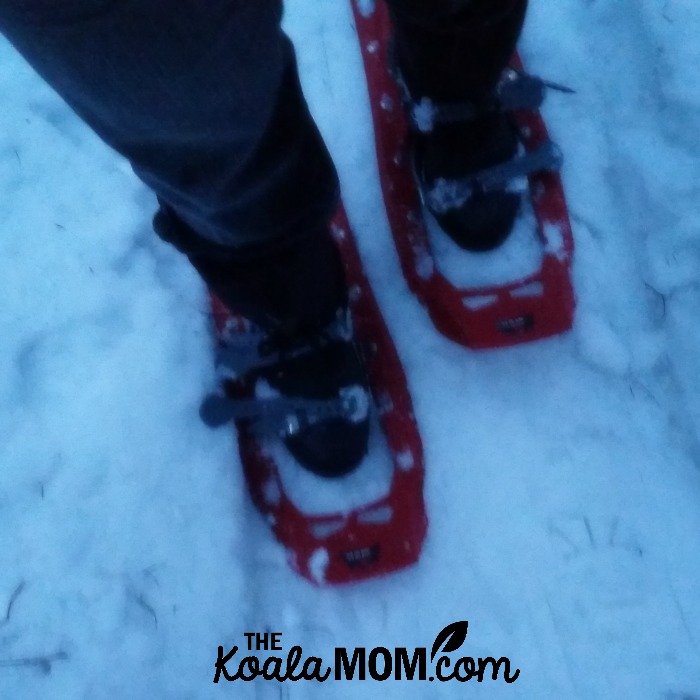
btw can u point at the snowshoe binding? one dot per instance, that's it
(473, 188)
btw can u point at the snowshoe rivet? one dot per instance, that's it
(386, 103)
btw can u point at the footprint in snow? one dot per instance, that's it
(603, 564)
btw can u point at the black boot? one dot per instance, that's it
(449, 56)
(296, 354)
(320, 372)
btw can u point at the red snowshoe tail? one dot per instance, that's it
(377, 538)
(531, 308)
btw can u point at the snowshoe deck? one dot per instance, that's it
(533, 307)
(379, 537)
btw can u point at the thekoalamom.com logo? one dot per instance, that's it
(378, 664)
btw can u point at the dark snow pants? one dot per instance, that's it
(204, 100)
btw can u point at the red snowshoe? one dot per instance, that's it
(354, 542)
(533, 307)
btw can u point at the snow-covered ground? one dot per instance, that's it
(563, 478)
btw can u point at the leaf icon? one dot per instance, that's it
(452, 637)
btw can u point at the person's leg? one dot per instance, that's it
(454, 52)
(204, 99)
(455, 49)
(205, 102)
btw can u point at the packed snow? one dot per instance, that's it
(563, 477)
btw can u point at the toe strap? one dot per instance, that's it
(446, 195)
(285, 415)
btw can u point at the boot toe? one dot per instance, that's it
(483, 223)
(332, 448)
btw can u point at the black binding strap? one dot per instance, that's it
(446, 195)
(282, 414)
